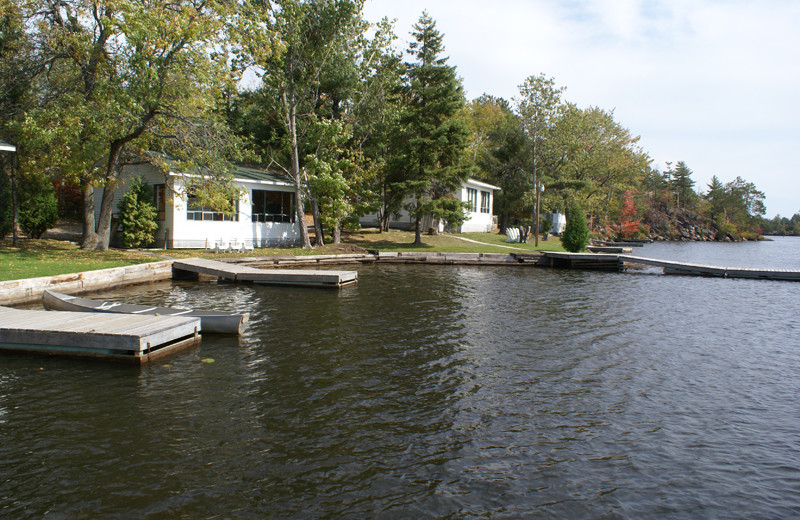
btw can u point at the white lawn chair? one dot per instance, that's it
(223, 246)
(512, 234)
(211, 245)
(235, 246)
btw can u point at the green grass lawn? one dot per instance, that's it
(34, 258)
(446, 243)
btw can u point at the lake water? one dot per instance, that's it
(434, 392)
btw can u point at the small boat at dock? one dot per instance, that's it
(210, 321)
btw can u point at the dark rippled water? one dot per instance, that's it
(429, 392)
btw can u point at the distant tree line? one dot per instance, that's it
(356, 125)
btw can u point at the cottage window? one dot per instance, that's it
(472, 198)
(485, 198)
(196, 211)
(272, 206)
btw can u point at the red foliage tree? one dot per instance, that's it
(629, 224)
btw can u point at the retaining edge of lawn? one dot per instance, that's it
(29, 290)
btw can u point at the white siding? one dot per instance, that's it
(196, 233)
(476, 222)
(179, 232)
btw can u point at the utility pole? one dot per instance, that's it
(535, 212)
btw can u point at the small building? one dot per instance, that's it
(480, 196)
(559, 222)
(264, 215)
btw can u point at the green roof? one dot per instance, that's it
(256, 174)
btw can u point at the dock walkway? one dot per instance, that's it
(118, 337)
(192, 267)
(619, 262)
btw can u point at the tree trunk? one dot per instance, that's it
(104, 221)
(89, 240)
(417, 232)
(107, 202)
(291, 106)
(384, 225)
(337, 232)
(319, 232)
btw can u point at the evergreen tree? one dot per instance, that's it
(138, 214)
(430, 140)
(682, 185)
(576, 235)
(38, 208)
(717, 196)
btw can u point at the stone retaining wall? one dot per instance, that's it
(29, 290)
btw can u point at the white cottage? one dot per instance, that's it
(264, 214)
(479, 219)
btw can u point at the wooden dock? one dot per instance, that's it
(683, 268)
(618, 262)
(117, 337)
(193, 267)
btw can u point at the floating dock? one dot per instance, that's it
(616, 262)
(193, 267)
(683, 268)
(118, 337)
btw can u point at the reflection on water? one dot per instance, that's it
(428, 391)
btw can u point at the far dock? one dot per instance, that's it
(118, 337)
(620, 262)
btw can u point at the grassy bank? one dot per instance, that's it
(34, 258)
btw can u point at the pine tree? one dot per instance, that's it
(682, 184)
(138, 214)
(430, 140)
(576, 234)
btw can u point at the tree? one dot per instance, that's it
(682, 183)
(38, 207)
(538, 107)
(629, 224)
(374, 117)
(576, 234)
(335, 178)
(717, 197)
(138, 214)
(595, 161)
(430, 140)
(121, 77)
(483, 115)
(6, 218)
(309, 34)
(503, 157)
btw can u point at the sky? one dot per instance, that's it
(713, 83)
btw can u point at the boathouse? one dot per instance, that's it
(480, 197)
(264, 214)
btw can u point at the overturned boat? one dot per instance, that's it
(210, 321)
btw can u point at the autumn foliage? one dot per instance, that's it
(629, 224)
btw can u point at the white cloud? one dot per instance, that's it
(710, 82)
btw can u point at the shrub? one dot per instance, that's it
(138, 214)
(37, 207)
(576, 235)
